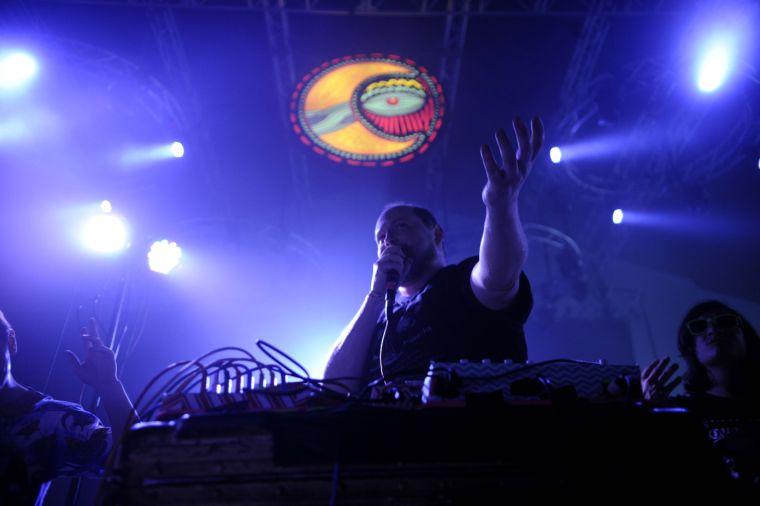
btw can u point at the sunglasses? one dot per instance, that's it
(720, 322)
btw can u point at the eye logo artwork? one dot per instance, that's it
(368, 110)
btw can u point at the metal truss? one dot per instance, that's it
(490, 8)
(107, 67)
(298, 210)
(278, 35)
(174, 58)
(104, 66)
(454, 38)
(455, 35)
(578, 101)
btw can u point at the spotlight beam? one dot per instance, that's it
(16, 69)
(164, 256)
(105, 233)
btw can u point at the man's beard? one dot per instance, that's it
(419, 266)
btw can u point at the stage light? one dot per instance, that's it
(145, 155)
(164, 256)
(105, 233)
(106, 206)
(16, 69)
(714, 66)
(555, 154)
(177, 149)
(617, 216)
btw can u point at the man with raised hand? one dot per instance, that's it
(42, 438)
(472, 310)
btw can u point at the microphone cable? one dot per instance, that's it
(390, 299)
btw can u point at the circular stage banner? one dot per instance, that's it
(368, 110)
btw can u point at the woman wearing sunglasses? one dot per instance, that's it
(722, 381)
(722, 355)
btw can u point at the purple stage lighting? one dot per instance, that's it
(617, 216)
(177, 149)
(164, 256)
(144, 155)
(714, 66)
(105, 233)
(13, 130)
(16, 69)
(106, 206)
(555, 154)
(609, 145)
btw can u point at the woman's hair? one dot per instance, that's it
(696, 379)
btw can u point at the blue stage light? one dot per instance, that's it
(105, 233)
(617, 216)
(164, 256)
(555, 154)
(177, 149)
(146, 155)
(714, 66)
(16, 69)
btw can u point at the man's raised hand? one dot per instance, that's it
(98, 369)
(505, 180)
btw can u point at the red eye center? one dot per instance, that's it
(392, 100)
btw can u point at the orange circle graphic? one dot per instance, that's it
(368, 110)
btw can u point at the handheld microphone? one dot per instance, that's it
(391, 280)
(391, 287)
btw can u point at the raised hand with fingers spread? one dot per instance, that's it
(98, 369)
(495, 279)
(506, 180)
(654, 381)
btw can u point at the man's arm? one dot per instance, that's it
(495, 279)
(349, 353)
(99, 371)
(118, 407)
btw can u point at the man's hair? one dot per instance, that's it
(696, 379)
(422, 213)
